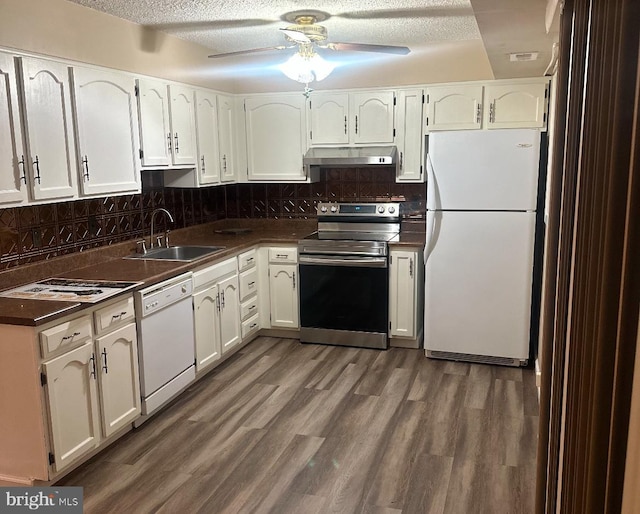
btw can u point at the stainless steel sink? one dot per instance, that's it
(178, 253)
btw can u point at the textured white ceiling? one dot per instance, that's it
(227, 25)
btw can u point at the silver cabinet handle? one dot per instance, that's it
(176, 144)
(23, 173)
(401, 159)
(105, 366)
(356, 124)
(169, 142)
(224, 163)
(218, 302)
(85, 174)
(492, 112)
(294, 279)
(36, 164)
(345, 124)
(203, 167)
(411, 267)
(478, 113)
(92, 359)
(222, 296)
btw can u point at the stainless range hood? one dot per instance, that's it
(350, 157)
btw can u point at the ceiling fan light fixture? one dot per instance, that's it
(306, 67)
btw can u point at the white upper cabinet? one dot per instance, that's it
(352, 118)
(106, 131)
(409, 139)
(183, 125)
(276, 140)
(167, 124)
(48, 131)
(155, 129)
(372, 114)
(453, 107)
(226, 131)
(13, 178)
(516, 105)
(207, 128)
(329, 118)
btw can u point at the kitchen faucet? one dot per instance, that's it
(166, 237)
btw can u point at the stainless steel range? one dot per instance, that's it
(344, 275)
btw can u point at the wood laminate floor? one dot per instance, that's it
(284, 427)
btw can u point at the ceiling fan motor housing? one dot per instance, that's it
(306, 25)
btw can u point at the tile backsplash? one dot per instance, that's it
(36, 233)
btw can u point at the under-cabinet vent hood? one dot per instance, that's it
(349, 157)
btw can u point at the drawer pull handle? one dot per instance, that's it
(118, 316)
(252, 308)
(250, 259)
(71, 336)
(251, 284)
(282, 256)
(253, 325)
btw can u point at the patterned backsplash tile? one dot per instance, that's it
(36, 233)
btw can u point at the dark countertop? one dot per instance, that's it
(109, 265)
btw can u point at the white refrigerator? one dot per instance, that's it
(481, 218)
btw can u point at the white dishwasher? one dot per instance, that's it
(166, 343)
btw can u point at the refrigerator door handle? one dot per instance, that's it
(429, 237)
(431, 186)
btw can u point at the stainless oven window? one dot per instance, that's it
(344, 296)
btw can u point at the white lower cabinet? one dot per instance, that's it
(118, 378)
(72, 388)
(405, 294)
(283, 288)
(216, 307)
(72, 398)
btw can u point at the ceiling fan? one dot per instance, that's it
(306, 34)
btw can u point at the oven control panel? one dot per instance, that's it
(356, 210)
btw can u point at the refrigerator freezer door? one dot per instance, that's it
(478, 284)
(483, 170)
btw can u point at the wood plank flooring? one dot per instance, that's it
(283, 427)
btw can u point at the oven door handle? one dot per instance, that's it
(367, 262)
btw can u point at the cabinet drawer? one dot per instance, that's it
(248, 283)
(247, 260)
(250, 326)
(114, 315)
(249, 308)
(65, 335)
(283, 255)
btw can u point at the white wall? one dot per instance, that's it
(63, 29)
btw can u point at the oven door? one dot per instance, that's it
(344, 300)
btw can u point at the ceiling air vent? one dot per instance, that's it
(523, 56)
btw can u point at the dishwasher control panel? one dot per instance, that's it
(166, 293)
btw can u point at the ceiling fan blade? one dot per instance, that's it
(362, 47)
(297, 36)
(252, 51)
(210, 25)
(418, 12)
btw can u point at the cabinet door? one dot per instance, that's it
(372, 115)
(207, 129)
(226, 131)
(183, 125)
(276, 139)
(72, 404)
(48, 128)
(283, 293)
(119, 378)
(454, 108)
(402, 294)
(106, 131)
(410, 137)
(155, 131)
(329, 113)
(516, 105)
(13, 178)
(229, 313)
(206, 308)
